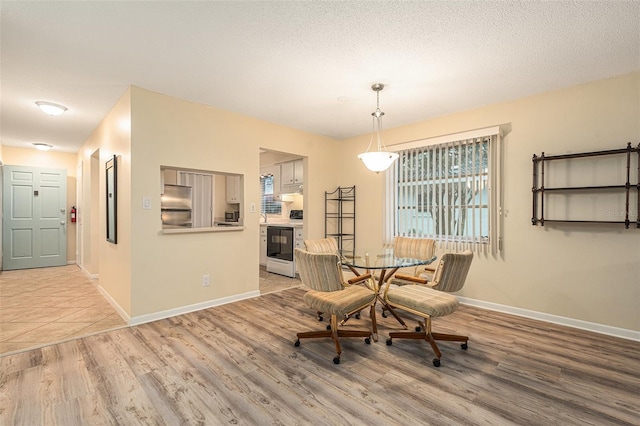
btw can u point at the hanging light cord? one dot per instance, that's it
(377, 118)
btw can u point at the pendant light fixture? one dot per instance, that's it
(379, 160)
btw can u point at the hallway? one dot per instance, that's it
(49, 305)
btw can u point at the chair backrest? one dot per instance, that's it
(319, 271)
(452, 271)
(416, 248)
(323, 245)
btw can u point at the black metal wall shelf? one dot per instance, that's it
(627, 188)
(340, 218)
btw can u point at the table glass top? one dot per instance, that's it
(381, 258)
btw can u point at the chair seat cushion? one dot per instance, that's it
(341, 302)
(423, 299)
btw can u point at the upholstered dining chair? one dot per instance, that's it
(328, 293)
(322, 245)
(415, 248)
(327, 245)
(431, 302)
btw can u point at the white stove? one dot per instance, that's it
(282, 238)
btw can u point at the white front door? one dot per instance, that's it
(34, 217)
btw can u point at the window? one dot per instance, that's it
(268, 204)
(197, 199)
(446, 190)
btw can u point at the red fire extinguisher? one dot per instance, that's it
(73, 213)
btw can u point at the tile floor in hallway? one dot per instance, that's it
(42, 306)
(273, 282)
(48, 305)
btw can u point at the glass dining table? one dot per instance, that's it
(381, 263)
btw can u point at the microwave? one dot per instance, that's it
(231, 216)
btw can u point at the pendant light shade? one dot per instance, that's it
(379, 160)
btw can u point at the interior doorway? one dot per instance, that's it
(273, 164)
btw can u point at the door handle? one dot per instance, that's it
(62, 222)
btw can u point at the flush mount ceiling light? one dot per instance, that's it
(379, 160)
(50, 108)
(42, 146)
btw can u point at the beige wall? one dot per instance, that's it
(166, 270)
(588, 272)
(13, 156)
(110, 262)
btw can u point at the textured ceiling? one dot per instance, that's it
(306, 65)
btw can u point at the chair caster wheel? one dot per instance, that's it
(464, 346)
(329, 327)
(297, 343)
(358, 315)
(384, 314)
(367, 341)
(389, 342)
(436, 362)
(336, 360)
(320, 318)
(418, 328)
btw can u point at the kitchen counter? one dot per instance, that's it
(195, 230)
(227, 224)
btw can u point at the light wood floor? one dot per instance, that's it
(237, 364)
(42, 306)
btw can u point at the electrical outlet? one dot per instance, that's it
(205, 280)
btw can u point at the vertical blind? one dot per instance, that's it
(447, 191)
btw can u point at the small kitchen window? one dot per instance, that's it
(268, 203)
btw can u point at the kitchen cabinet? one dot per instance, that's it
(299, 239)
(291, 176)
(263, 245)
(298, 235)
(233, 189)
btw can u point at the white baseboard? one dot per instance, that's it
(541, 316)
(115, 304)
(88, 274)
(141, 319)
(555, 319)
